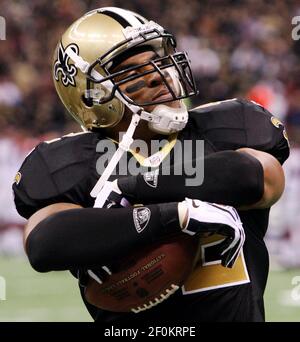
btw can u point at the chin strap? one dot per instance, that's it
(167, 120)
(124, 146)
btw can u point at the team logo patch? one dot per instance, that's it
(62, 66)
(276, 122)
(151, 178)
(141, 217)
(18, 177)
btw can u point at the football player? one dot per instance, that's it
(117, 72)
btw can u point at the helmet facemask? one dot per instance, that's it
(171, 68)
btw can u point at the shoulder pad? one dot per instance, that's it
(221, 123)
(54, 169)
(236, 123)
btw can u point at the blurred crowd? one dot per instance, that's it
(237, 48)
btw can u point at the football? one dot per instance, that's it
(147, 277)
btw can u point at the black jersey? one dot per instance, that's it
(65, 171)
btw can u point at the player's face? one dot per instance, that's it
(147, 88)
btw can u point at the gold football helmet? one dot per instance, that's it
(87, 54)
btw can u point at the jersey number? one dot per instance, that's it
(209, 274)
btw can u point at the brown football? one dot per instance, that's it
(147, 277)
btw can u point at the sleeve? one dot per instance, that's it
(33, 175)
(55, 172)
(265, 132)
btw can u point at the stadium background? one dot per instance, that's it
(238, 48)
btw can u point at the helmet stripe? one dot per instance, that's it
(117, 17)
(124, 17)
(140, 18)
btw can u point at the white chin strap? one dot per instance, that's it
(162, 119)
(166, 120)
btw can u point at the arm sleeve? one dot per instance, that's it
(230, 178)
(87, 238)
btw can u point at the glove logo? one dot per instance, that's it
(62, 66)
(141, 217)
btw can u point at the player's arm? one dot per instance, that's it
(64, 236)
(246, 178)
(233, 178)
(273, 179)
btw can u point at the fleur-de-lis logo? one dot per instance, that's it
(62, 66)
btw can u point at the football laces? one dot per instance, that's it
(157, 300)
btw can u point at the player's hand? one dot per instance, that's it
(204, 217)
(111, 197)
